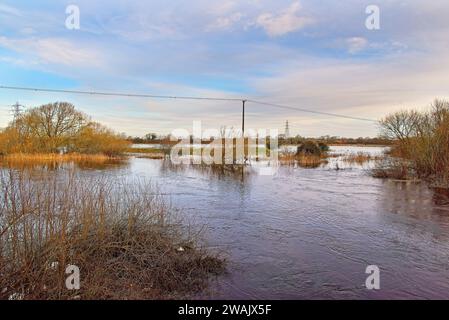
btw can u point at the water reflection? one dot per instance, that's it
(110, 165)
(310, 233)
(236, 172)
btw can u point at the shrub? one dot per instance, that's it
(95, 138)
(309, 148)
(126, 241)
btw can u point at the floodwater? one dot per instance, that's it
(311, 233)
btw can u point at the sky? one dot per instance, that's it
(317, 55)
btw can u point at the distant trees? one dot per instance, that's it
(335, 140)
(150, 137)
(56, 126)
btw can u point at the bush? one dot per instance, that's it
(309, 148)
(10, 141)
(95, 138)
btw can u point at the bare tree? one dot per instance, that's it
(50, 126)
(401, 125)
(440, 112)
(55, 120)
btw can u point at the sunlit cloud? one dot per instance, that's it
(287, 21)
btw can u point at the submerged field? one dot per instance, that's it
(306, 232)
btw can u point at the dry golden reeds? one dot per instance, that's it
(303, 160)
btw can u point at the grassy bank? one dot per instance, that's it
(126, 241)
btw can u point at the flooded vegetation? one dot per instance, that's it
(302, 233)
(141, 225)
(422, 144)
(122, 234)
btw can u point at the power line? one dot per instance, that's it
(118, 94)
(311, 111)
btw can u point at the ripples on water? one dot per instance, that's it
(310, 233)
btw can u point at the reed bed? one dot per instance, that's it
(55, 157)
(361, 158)
(125, 239)
(303, 160)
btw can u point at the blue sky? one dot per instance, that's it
(310, 54)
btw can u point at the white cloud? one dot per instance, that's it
(361, 89)
(54, 51)
(222, 7)
(356, 44)
(225, 23)
(404, 65)
(285, 22)
(9, 10)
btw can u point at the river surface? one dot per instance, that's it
(311, 233)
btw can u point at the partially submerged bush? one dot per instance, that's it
(126, 241)
(309, 148)
(393, 169)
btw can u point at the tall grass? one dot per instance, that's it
(122, 235)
